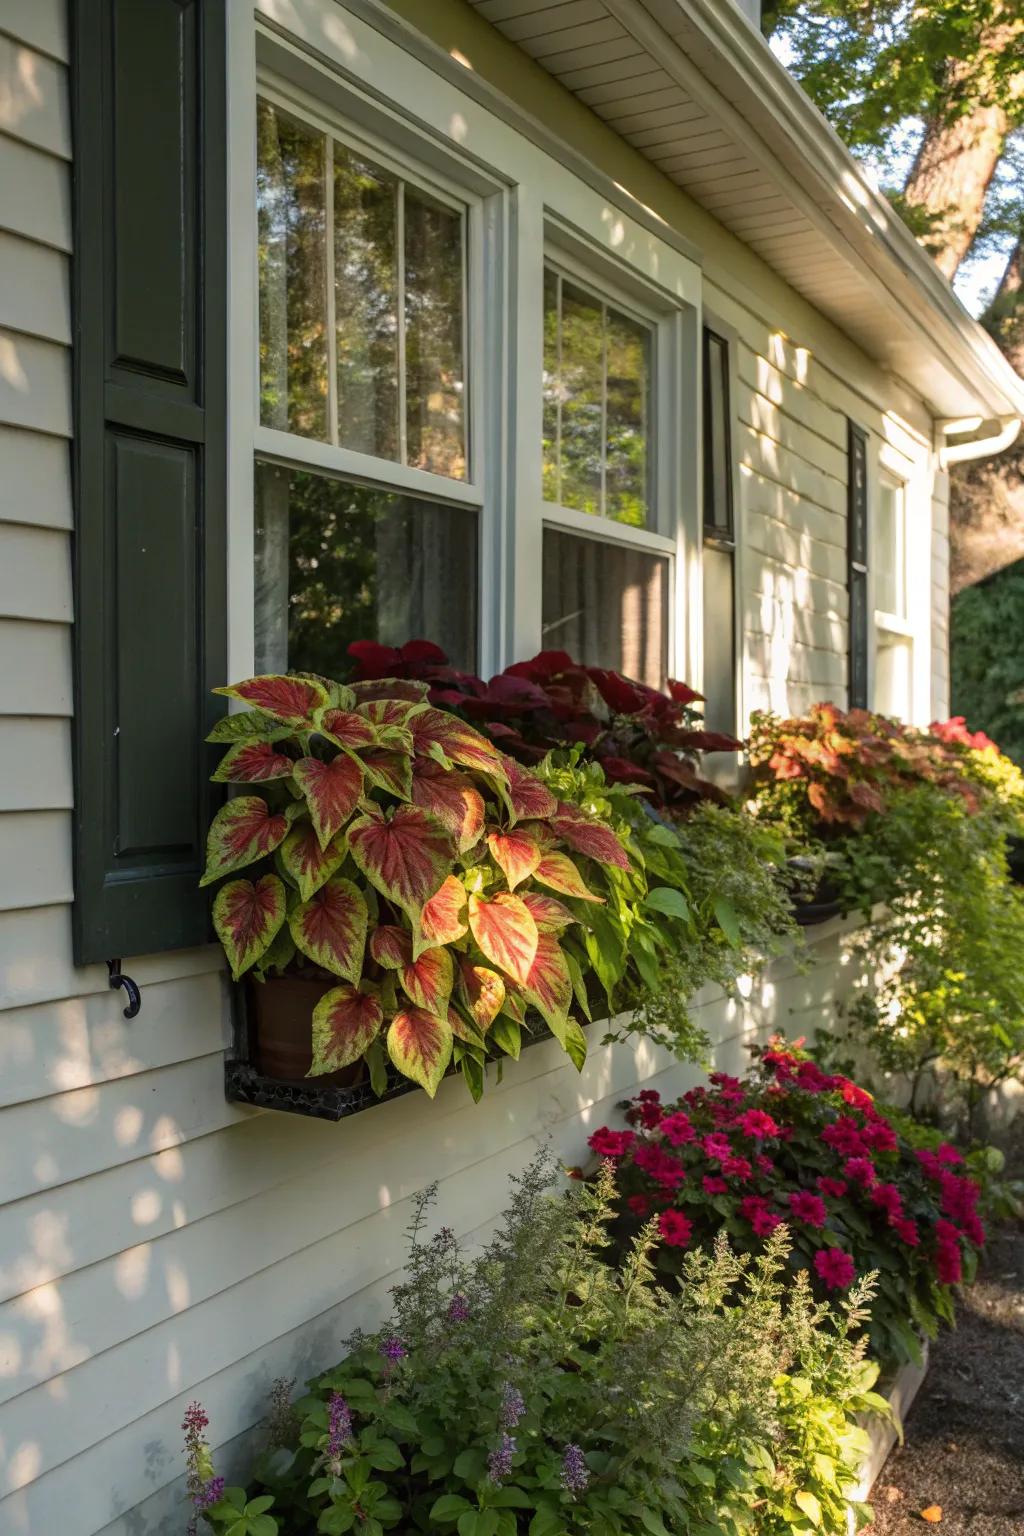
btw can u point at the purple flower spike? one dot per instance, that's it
(575, 1473)
(458, 1309)
(512, 1406)
(499, 1462)
(339, 1426)
(392, 1348)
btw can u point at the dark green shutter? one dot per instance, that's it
(857, 563)
(148, 93)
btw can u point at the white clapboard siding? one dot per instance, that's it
(35, 573)
(34, 288)
(35, 382)
(36, 847)
(34, 104)
(42, 24)
(35, 677)
(763, 456)
(37, 478)
(35, 767)
(37, 194)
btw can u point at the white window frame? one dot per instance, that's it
(526, 200)
(900, 460)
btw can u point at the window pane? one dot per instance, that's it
(435, 375)
(292, 232)
(581, 387)
(717, 447)
(606, 604)
(628, 369)
(719, 640)
(366, 305)
(337, 562)
(890, 559)
(893, 674)
(552, 388)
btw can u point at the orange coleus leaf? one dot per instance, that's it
(504, 929)
(391, 947)
(933, 1514)
(452, 798)
(247, 919)
(407, 857)
(330, 928)
(428, 981)
(308, 864)
(345, 1024)
(420, 1045)
(253, 762)
(586, 836)
(290, 699)
(516, 853)
(242, 831)
(560, 873)
(332, 792)
(528, 797)
(548, 985)
(457, 740)
(482, 991)
(442, 920)
(346, 728)
(548, 913)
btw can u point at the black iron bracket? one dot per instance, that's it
(131, 988)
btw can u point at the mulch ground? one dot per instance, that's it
(964, 1449)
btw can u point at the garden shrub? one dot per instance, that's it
(539, 1389)
(792, 1143)
(986, 622)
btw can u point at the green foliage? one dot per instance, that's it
(540, 1389)
(988, 668)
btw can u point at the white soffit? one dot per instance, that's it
(694, 87)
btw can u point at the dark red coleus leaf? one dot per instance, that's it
(620, 770)
(682, 693)
(587, 836)
(528, 796)
(391, 946)
(452, 798)
(290, 699)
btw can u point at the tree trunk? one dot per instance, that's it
(1004, 318)
(951, 176)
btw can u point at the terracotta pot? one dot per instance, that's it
(281, 1023)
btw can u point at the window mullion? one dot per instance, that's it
(332, 323)
(604, 410)
(403, 434)
(558, 387)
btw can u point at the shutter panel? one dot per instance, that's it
(857, 564)
(148, 91)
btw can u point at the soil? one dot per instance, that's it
(964, 1449)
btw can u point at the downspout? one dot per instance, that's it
(978, 447)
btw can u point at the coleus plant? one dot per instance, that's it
(393, 848)
(637, 733)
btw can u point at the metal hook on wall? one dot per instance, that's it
(131, 988)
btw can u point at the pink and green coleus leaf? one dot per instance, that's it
(242, 831)
(332, 792)
(549, 985)
(345, 1024)
(559, 873)
(330, 928)
(306, 862)
(406, 857)
(408, 688)
(250, 725)
(247, 918)
(482, 992)
(516, 853)
(527, 795)
(389, 770)
(391, 947)
(458, 741)
(428, 981)
(584, 835)
(390, 713)
(420, 1045)
(345, 728)
(548, 913)
(505, 931)
(292, 700)
(253, 762)
(442, 920)
(452, 798)
(462, 1029)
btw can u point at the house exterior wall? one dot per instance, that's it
(156, 1243)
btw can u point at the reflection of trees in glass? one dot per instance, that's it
(606, 604)
(366, 305)
(337, 562)
(292, 225)
(597, 379)
(433, 345)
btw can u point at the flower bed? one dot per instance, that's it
(798, 1145)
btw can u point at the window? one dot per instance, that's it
(608, 542)
(719, 552)
(367, 514)
(857, 564)
(893, 637)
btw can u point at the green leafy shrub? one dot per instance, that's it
(987, 659)
(539, 1389)
(793, 1143)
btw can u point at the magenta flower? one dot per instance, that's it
(608, 1143)
(808, 1208)
(947, 1153)
(714, 1185)
(677, 1129)
(675, 1229)
(758, 1125)
(906, 1230)
(834, 1268)
(888, 1198)
(737, 1168)
(835, 1188)
(860, 1170)
(716, 1146)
